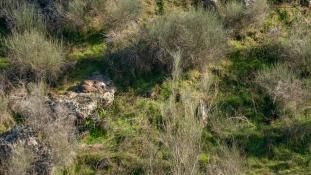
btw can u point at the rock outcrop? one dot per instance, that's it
(25, 137)
(97, 91)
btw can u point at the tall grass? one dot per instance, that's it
(183, 124)
(31, 52)
(22, 16)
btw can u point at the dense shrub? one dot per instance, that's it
(83, 15)
(238, 15)
(284, 87)
(198, 35)
(122, 20)
(32, 52)
(76, 13)
(120, 12)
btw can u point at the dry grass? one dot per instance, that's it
(183, 125)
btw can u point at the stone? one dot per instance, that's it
(26, 137)
(97, 91)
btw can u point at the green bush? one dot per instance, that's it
(198, 35)
(33, 53)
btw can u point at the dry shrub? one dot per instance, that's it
(120, 12)
(76, 13)
(32, 53)
(204, 43)
(119, 40)
(284, 87)
(123, 22)
(21, 160)
(227, 161)
(112, 14)
(298, 45)
(56, 126)
(238, 15)
(256, 11)
(233, 12)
